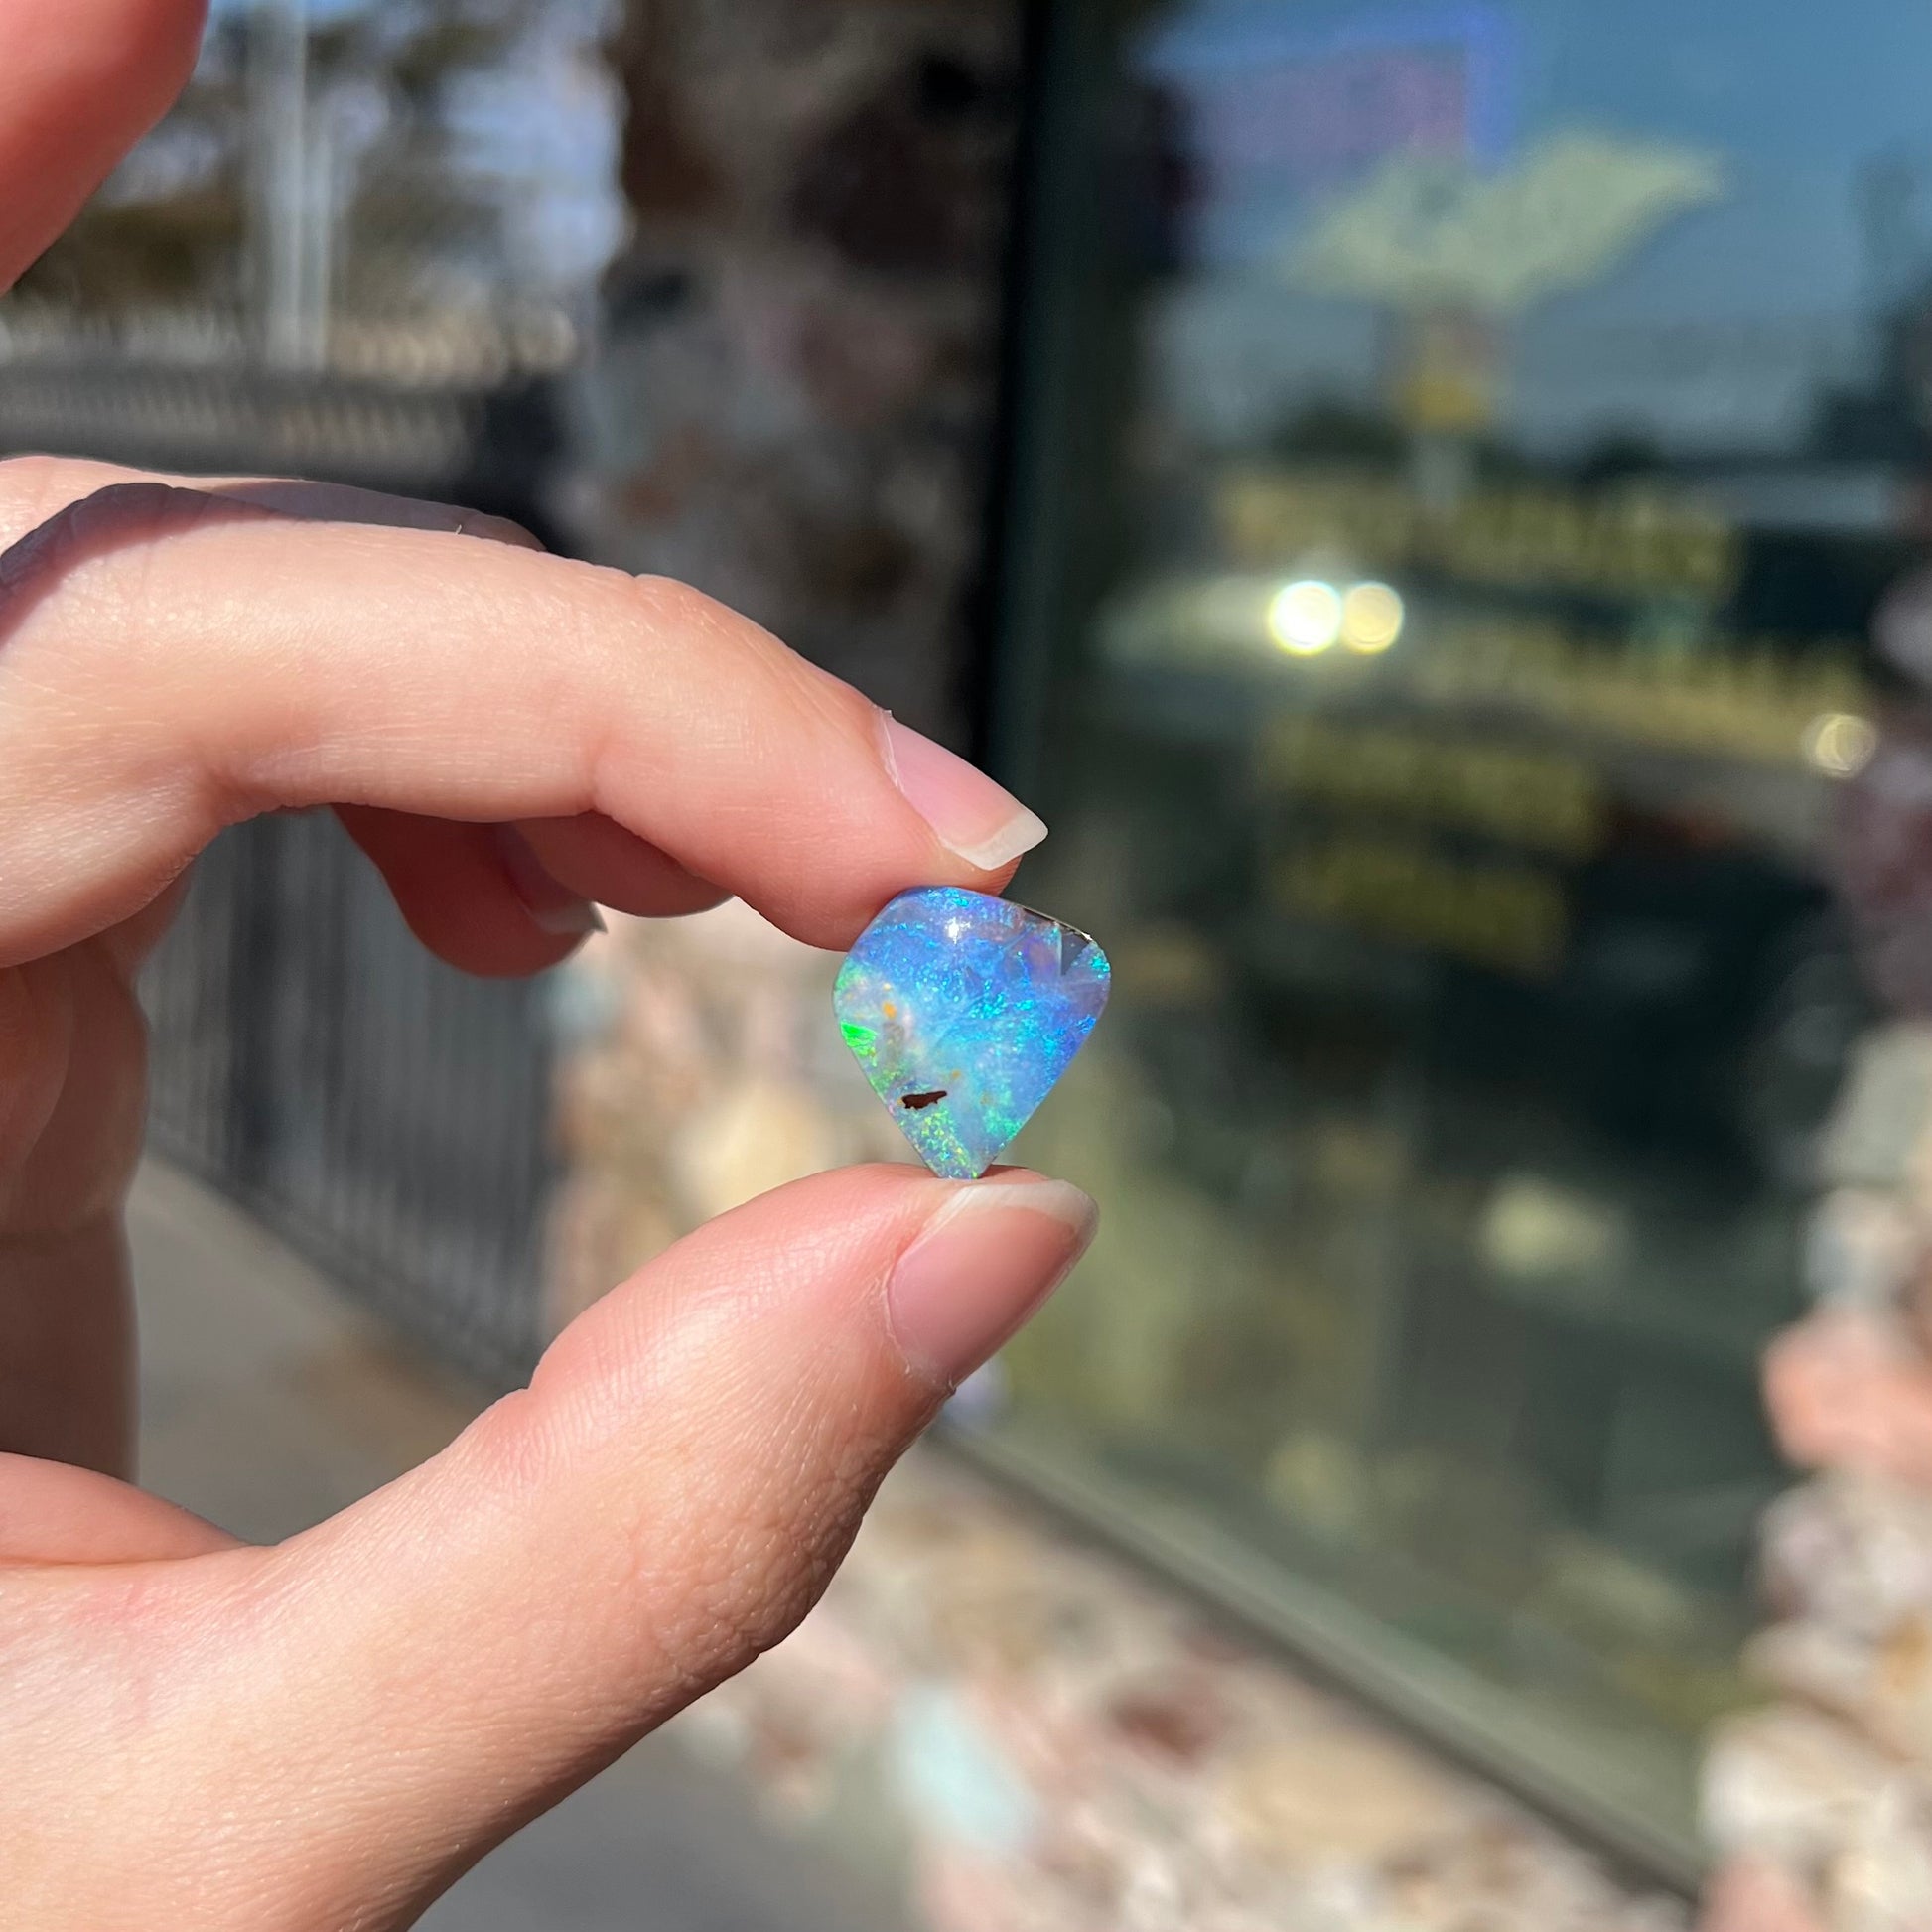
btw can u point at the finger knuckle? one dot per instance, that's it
(684, 609)
(770, 673)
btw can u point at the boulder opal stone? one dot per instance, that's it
(963, 1009)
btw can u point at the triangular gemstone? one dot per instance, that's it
(964, 1010)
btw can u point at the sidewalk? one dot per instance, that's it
(996, 1720)
(268, 1401)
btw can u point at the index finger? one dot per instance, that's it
(170, 661)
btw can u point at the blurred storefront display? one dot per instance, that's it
(1468, 453)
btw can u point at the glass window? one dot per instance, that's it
(1462, 448)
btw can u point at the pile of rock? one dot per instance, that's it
(1820, 1807)
(1027, 1736)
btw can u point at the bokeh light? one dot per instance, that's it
(1839, 744)
(1371, 618)
(1306, 617)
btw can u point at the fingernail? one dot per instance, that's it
(550, 903)
(988, 1259)
(983, 823)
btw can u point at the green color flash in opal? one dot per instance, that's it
(964, 1010)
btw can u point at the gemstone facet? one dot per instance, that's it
(964, 1010)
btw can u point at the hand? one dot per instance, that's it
(323, 1734)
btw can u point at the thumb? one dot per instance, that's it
(407, 1684)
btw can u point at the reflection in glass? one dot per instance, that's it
(1494, 429)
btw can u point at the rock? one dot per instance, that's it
(1336, 1795)
(1851, 1552)
(1860, 1249)
(1790, 1785)
(1880, 1682)
(1884, 1110)
(757, 1135)
(1756, 1895)
(1851, 1391)
(963, 1011)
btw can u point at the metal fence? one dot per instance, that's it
(385, 1114)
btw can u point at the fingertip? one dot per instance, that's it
(809, 1258)
(984, 1264)
(974, 817)
(81, 82)
(550, 904)
(943, 1272)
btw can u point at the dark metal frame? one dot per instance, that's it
(385, 1114)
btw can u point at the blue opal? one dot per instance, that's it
(963, 1009)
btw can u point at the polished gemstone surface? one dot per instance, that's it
(964, 1010)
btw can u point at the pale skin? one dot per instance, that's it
(200, 1733)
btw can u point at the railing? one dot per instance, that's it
(385, 1114)
(169, 417)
